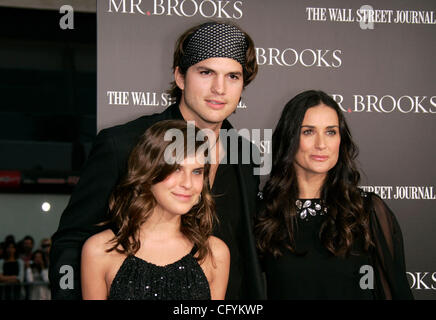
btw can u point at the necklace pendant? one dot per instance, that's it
(311, 211)
(309, 207)
(298, 204)
(307, 204)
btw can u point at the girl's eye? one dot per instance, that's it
(197, 171)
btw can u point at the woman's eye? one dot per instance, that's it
(307, 132)
(331, 132)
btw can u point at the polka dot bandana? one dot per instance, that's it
(215, 40)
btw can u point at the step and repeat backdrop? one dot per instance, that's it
(376, 58)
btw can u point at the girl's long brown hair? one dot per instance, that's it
(132, 202)
(346, 222)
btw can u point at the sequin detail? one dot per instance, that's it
(310, 207)
(138, 279)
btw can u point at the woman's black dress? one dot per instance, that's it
(318, 274)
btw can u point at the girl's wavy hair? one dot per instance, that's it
(132, 202)
(346, 221)
(249, 70)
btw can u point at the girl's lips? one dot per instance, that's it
(182, 197)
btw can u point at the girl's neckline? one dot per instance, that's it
(190, 253)
(162, 266)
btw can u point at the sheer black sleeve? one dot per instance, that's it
(388, 254)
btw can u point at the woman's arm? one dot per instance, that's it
(29, 274)
(44, 274)
(93, 269)
(21, 270)
(220, 266)
(390, 254)
(8, 279)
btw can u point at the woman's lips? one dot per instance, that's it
(319, 158)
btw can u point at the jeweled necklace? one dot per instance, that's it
(310, 207)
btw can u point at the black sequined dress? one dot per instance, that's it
(138, 279)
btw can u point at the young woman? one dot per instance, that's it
(159, 245)
(11, 272)
(319, 235)
(37, 271)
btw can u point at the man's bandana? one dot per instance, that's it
(214, 40)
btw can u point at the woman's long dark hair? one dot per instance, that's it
(6, 254)
(132, 201)
(38, 266)
(346, 221)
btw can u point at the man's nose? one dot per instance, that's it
(218, 85)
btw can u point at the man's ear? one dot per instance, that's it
(179, 78)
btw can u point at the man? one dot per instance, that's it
(45, 248)
(26, 249)
(213, 62)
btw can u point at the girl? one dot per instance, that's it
(159, 244)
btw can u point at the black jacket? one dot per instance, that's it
(88, 205)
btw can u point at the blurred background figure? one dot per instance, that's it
(37, 277)
(45, 248)
(2, 249)
(9, 238)
(26, 248)
(11, 273)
